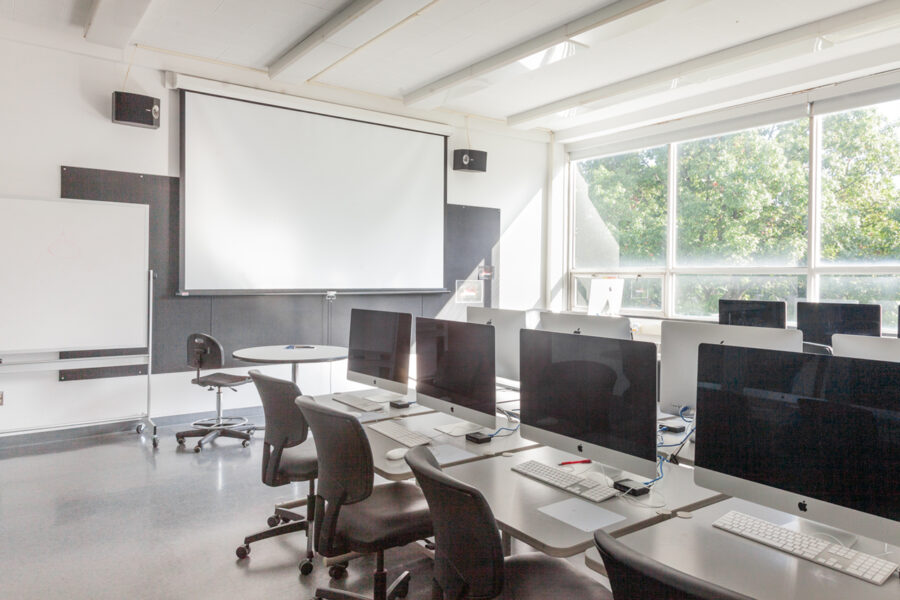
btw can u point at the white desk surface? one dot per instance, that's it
(694, 546)
(290, 354)
(387, 411)
(397, 470)
(515, 500)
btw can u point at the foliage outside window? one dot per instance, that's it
(741, 215)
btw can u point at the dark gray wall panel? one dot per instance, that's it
(244, 321)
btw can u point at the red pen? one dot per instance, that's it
(574, 462)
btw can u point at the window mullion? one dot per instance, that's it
(814, 227)
(671, 233)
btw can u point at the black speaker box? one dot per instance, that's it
(135, 109)
(470, 160)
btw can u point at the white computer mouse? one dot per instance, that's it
(395, 453)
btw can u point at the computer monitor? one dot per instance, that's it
(378, 352)
(753, 313)
(807, 434)
(455, 370)
(864, 346)
(678, 362)
(595, 325)
(820, 320)
(507, 324)
(591, 396)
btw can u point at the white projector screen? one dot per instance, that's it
(281, 200)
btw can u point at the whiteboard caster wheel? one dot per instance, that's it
(139, 428)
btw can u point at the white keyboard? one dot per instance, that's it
(358, 403)
(863, 566)
(400, 434)
(580, 486)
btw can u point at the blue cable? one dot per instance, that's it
(683, 440)
(659, 468)
(681, 414)
(512, 431)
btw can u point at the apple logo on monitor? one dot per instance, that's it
(802, 506)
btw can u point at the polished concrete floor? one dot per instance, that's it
(109, 517)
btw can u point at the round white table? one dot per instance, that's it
(293, 354)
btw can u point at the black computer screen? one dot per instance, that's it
(379, 344)
(824, 427)
(752, 313)
(820, 320)
(597, 390)
(455, 363)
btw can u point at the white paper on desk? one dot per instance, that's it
(581, 514)
(448, 453)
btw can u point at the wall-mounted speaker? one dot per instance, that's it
(135, 109)
(470, 160)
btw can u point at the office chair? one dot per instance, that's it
(350, 514)
(634, 576)
(204, 352)
(468, 559)
(287, 457)
(813, 348)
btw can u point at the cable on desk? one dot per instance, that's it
(681, 443)
(673, 458)
(684, 418)
(659, 469)
(510, 430)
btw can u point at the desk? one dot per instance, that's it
(397, 470)
(387, 412)
(291, 354)
(696, 547)
(515, 500)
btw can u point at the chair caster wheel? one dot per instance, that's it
(306, 567)
(245, 443)
(402, 590)
(180, 441)
(337, 571)
(198, 448)
(243, 551)
(139, 428)
(273, 520)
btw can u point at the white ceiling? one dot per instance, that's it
(663, 59)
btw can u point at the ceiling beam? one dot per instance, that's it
(548, 39)
(347, 15)
(113, 22)
(615, 93)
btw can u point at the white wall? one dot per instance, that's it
(55, 110)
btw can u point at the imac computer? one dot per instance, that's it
(595, 325)
(753, 313)
(591, 396)
(378, 352)
(678, 362)
(820, 320)
(865, 346)
(811, 435)
(507, 324)
(455, 371)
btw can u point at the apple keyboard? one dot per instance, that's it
(400, 434)
(584, 487)
(834, 556)
(358, 403)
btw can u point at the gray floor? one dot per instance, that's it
(109, 517)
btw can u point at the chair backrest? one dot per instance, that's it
(468, 557)
(346, 472)
(285, 425)
(634, 576)
(204, 352)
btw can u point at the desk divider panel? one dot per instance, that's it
(470, 234)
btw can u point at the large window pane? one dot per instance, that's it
(642, 292)
(698, 295)
(865, 289)
(861, 185)
(620, 210)
(743, 197)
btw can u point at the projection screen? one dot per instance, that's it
(281, 200)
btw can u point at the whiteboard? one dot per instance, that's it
(283, 200)
(73, 275)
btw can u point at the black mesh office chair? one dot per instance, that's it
(468, 559)
(204, 352)
(634, 576)
(351, 514)
(287, 457)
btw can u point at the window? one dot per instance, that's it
(735, 223)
